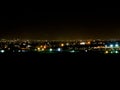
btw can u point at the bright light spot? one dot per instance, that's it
(62, 45)
(43, 49)
(82, 43)
(67, 44)
(19, 50)
(51, 49)
(116, 45)
(24, 44)
(72, 51)
(111, 51)
(59, 49)
(35, 49)
(86, 50)
(41, 46)
(106, 52)
(111, 45)
(8, 48)
(28, 46)
(116, 52)
(38, 48)
(106, 46)
(2, 51)
(88, 42)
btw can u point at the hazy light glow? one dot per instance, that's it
(111, 45)
(28, 46)
(86, 50)
(23, 50)
(116, 45)
(43, 49)
(106, 46)
(38, 49)
(19, 50)
(106, 52)
(59, 49)
(88, 42)
(2, 51)
(67, 44)
(62, 45)
(72, 51)
(111, 51)
(82, 43)
(116, 52)
(50, 49)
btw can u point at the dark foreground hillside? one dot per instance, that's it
(59, 58)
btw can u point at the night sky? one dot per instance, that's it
(34, 23)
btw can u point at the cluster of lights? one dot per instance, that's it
(112, 52)
(113, 46)
(41, 48)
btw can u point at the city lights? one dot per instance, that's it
(70, 46)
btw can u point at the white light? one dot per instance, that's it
(50, 49)
(43, 49)
(59, 49)
(72, 51)
(86, 51)
(106, 46)
(116, 45)
(19, 50)
(67, 44)
(116, 52)
(111, 45)
(24, 44)
(82, 43)
(2, 51)
(28, 46)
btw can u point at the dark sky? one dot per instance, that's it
(34, 23)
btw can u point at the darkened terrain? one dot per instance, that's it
(59, 58)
